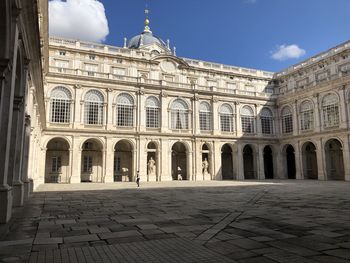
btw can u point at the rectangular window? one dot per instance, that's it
(306, 120)
(118, 71)
(266, 125)
(226, 122)
(331, 115)
(179, 120)
(152, 117)
(125, 116)
(62, 53)
(92, 57)
(204, 121)
(91, 69)
(93, 113)
(87, 167)
(248, 124)
(287, 124)
(60, 111)
(116, 165)
(56, 164)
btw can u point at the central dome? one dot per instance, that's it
(145, 38)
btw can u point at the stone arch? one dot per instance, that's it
(124, 161)
(93, 94)
(179, 161)
(249, 162)
(268, 162)
(334, 160)
(60, 91)
(289, 160)
(64, 138)
(179, 104)
(309, 158)
(92, 161)
(227, 162)
(57, 160)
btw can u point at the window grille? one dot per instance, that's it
(116, 164)
(306, 116)
(204, 117)
(60, 105)
(56, 164)
(152, 112)
(87, 167)
(330, 108)
(179, 115)
(125, 110)
(287, 121)
(248, 120)
(266, 121)
(93, 107)
(226, 118)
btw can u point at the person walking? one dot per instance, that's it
(138, 178)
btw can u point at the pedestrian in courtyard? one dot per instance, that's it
(138, 178)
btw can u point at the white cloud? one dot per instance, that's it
(78, 19)
(284, 52)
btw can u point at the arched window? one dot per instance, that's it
(204, 116)
(266, 121)
(125, 110)
(152, 112)
(93, 107)
(306, 116)
(60, 105)
(330, 108)
(179, 115)
(248, 120)
(226, 118)
(287, 120)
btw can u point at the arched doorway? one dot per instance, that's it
(91, 162)
(248, 163)
(309, 161)
(290, 159)
(179, 162)
(334, 160)
(123, 162)
(226, 162)
(206, 162)
(152, 162)
(268, 163)
(57, 168)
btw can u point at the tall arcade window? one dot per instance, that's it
(330, 108)
(204, 116)
(56, 164)
(93, 107)
(226, 118)
(248, 120)
(179, 115)
(60, 105)
(125, 110)
(306, 116)
(287, 120)
(152, 112)
(266, 121)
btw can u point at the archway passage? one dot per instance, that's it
(309, 161)
(226, 162)
(91, 162)
(268, 163)
(57, 168)
(248, 163)
(152, 162)
(123, 162)
(334, 160)
(290, 158)
(179, 162)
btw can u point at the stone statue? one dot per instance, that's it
(151, 167)
(179, 173)
(205, 167)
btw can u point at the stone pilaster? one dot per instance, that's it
(260, 162)
(321, 172)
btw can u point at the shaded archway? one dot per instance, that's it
(309, 157)
(226, 162)
(179, 162)
(57, 167)
(91, 161)
(334, 160)
(290, 161)
(152, 162)
(268, 163)
(248, 163)
(123, 161)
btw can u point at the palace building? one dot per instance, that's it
(101, 113)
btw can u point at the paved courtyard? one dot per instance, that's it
(247, 222)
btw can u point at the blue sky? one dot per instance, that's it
(236, 32)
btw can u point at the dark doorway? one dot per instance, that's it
(226, 162)
(268, 163)
(248, 163)
(291, 171)
(334, 160)
(310, 161)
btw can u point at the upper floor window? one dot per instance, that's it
(152, 112)
(248, 120)
(205, 116)
(125, 110)
(91, 69)
(330, 109)
(287, 120)
(306, 116)
(92, 57)
(62, 53)
(93, 107)
(60, 105)
(266, 118)
(226, 118)
(179, 115)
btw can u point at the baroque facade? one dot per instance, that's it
(111, 112)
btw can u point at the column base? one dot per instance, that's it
(18, 194)
(109, 179)
(6, 199)
(28, 189)
(75, 180)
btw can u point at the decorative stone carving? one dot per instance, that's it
(205, 167)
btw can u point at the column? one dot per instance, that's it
(298, 165)
(76, 161)
(346, 157)
(238, 124)
(109, 162)
(280, 163)
(142, 111)
(164, 111)
(343, 122)
(142, 152)
(198, 161)
(77, 108)
(190, 167)
(317, 112)
(215, 116)
(109, 115)
(27, 182)
(165, 174)
(217, 169)
(320, 160)
(195, 115)
(258, 109)
(295, 118)
(260, 161)
(240, 161)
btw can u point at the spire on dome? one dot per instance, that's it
(147, 22)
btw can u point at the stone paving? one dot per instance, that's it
(246, 222)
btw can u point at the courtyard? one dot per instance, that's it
(181, 221)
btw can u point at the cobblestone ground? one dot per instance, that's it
(273, 221)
